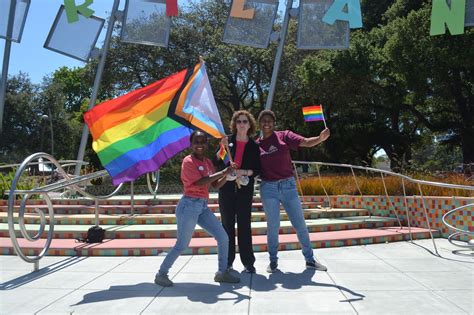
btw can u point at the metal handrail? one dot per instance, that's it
(69, 181)
(63, 163)
(153, 177)
(422, 182)
(403, 177)
(458, 231)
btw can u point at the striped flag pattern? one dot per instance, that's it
(138, 132)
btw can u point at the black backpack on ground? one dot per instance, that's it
(95, 234)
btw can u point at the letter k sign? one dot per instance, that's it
(72, 9)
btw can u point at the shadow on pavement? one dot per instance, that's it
(195, 292)
(294, 281)
(43, 272)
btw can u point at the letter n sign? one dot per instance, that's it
(452, 16)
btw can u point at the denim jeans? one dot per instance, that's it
(189, 212)
(284, 191)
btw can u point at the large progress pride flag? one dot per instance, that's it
(138, 132)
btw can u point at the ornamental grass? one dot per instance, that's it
(311, 184)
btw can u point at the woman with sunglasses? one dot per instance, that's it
(235, 197)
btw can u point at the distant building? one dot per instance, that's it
(382, 163)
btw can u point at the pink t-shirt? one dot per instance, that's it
(239, 152)
(192, 170)
(275, 155)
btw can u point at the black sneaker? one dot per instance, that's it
(272, 267)
(163, 280)
(226, 277)
(315, 265)
(250, 269)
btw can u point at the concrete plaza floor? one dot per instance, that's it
(396, 278)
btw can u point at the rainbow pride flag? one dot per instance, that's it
(313, 113)
(138, 132)
(222, 154)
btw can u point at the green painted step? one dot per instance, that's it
(89, 219)
(125, 209)
(169, 230)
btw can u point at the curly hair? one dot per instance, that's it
(251, 119)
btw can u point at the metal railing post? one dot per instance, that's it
(298, 181)
(406, 209)
(322, 185)
(390, 201)
(427, 218)
(132, 198)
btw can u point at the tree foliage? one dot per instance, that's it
(393, 89)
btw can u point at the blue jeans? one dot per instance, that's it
(189, 212)
(284, 191)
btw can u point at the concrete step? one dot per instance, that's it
(169, 230)
(207, 245)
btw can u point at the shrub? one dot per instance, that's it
(373, 185)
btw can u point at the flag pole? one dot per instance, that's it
(324, 119)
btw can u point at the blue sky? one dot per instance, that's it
(29, 56)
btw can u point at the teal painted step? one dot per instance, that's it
(169, 230)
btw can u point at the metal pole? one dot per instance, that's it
(6, 60)
(132, 197)
(98, 78)
(279, 53)
(51, 130)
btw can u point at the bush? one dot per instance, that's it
(25, 183)
(373, 185)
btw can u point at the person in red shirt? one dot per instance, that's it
(279, 186)
(235, 200)
(197, 173)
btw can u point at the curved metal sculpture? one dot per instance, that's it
(458, 232)
(153, 178)
(68, 181)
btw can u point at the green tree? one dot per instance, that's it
(22, 120)
(394, 84)
(438, 74)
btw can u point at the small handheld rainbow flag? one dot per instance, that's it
(222, 154)
(313, 113)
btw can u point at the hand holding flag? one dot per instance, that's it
(222, 154)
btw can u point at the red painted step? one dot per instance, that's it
(143, 247)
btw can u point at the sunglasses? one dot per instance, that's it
(238, 121)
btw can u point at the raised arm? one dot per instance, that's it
(313, 141)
